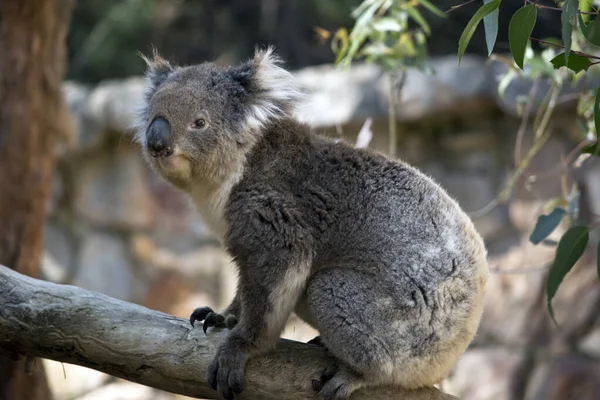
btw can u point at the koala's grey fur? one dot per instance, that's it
(368, 250)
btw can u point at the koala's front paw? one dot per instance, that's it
(226, 371)
(212, 319)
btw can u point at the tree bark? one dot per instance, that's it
(32, 114)
(73, 325)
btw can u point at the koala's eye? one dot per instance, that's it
(199, 123)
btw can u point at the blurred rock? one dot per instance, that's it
(170, 290)
(179, 226)
(524, 215)
(104, 266)
(484, 374)
(541, 179)
(514, 302)
(69, 381)
(567, 377)
(112, 190)
(515, 312)
(199, 264)
(57, 191)
(453, 88)
(115, 103)
(58, 259)
(590, 344)
(473, 193)
(84, 130)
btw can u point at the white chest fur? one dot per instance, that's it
(210, 201)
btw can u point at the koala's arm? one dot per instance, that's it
(272, 249)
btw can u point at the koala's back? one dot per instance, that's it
(399, 246)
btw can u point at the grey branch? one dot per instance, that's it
(77, 326)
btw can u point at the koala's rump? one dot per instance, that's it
(403, 253)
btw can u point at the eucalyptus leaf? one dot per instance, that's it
(490, 23)
(598, 261)
(546, 224)
(416, 15)
(386, 24)
(591, 31)
(597, 114)
(433, 9)
(519, 29)
(469, 30)
(576, 63)
(567, 17)
(570, 248)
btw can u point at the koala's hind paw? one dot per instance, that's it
(212, 319)
(337, 383)
(226, 371)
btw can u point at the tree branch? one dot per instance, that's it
(73, 325)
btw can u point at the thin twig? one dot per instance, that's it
(556, 8)
(459, 6)
(524, 119)
(579, 53)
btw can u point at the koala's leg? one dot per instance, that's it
(372, 336)
(226, 319)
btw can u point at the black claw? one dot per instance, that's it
(200, 314)
(206, 324)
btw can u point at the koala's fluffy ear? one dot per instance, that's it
(158, 70)
(269, 91)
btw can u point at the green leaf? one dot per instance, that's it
(594, 148)
(416, 15)
(519, 29)
(546, 224)
(386, 24)
(598, 260)
(597, 114)
(591, 149)
(505, 81)
(570, 248)
(490, 23)
(469, 30)
(567, 17)
(576, 62)
(591, 31)
(433, 9)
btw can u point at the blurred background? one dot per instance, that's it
(117, 228)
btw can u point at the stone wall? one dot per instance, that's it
(117, 228)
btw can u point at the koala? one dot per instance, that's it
(368, 250)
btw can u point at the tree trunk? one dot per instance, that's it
(32, 115)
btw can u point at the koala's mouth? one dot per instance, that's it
(172, 163)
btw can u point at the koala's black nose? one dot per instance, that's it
(158, 138)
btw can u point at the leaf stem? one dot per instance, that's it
(459, 6)
(580, 53)
(556, 8)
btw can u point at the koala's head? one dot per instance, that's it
(196, 121)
